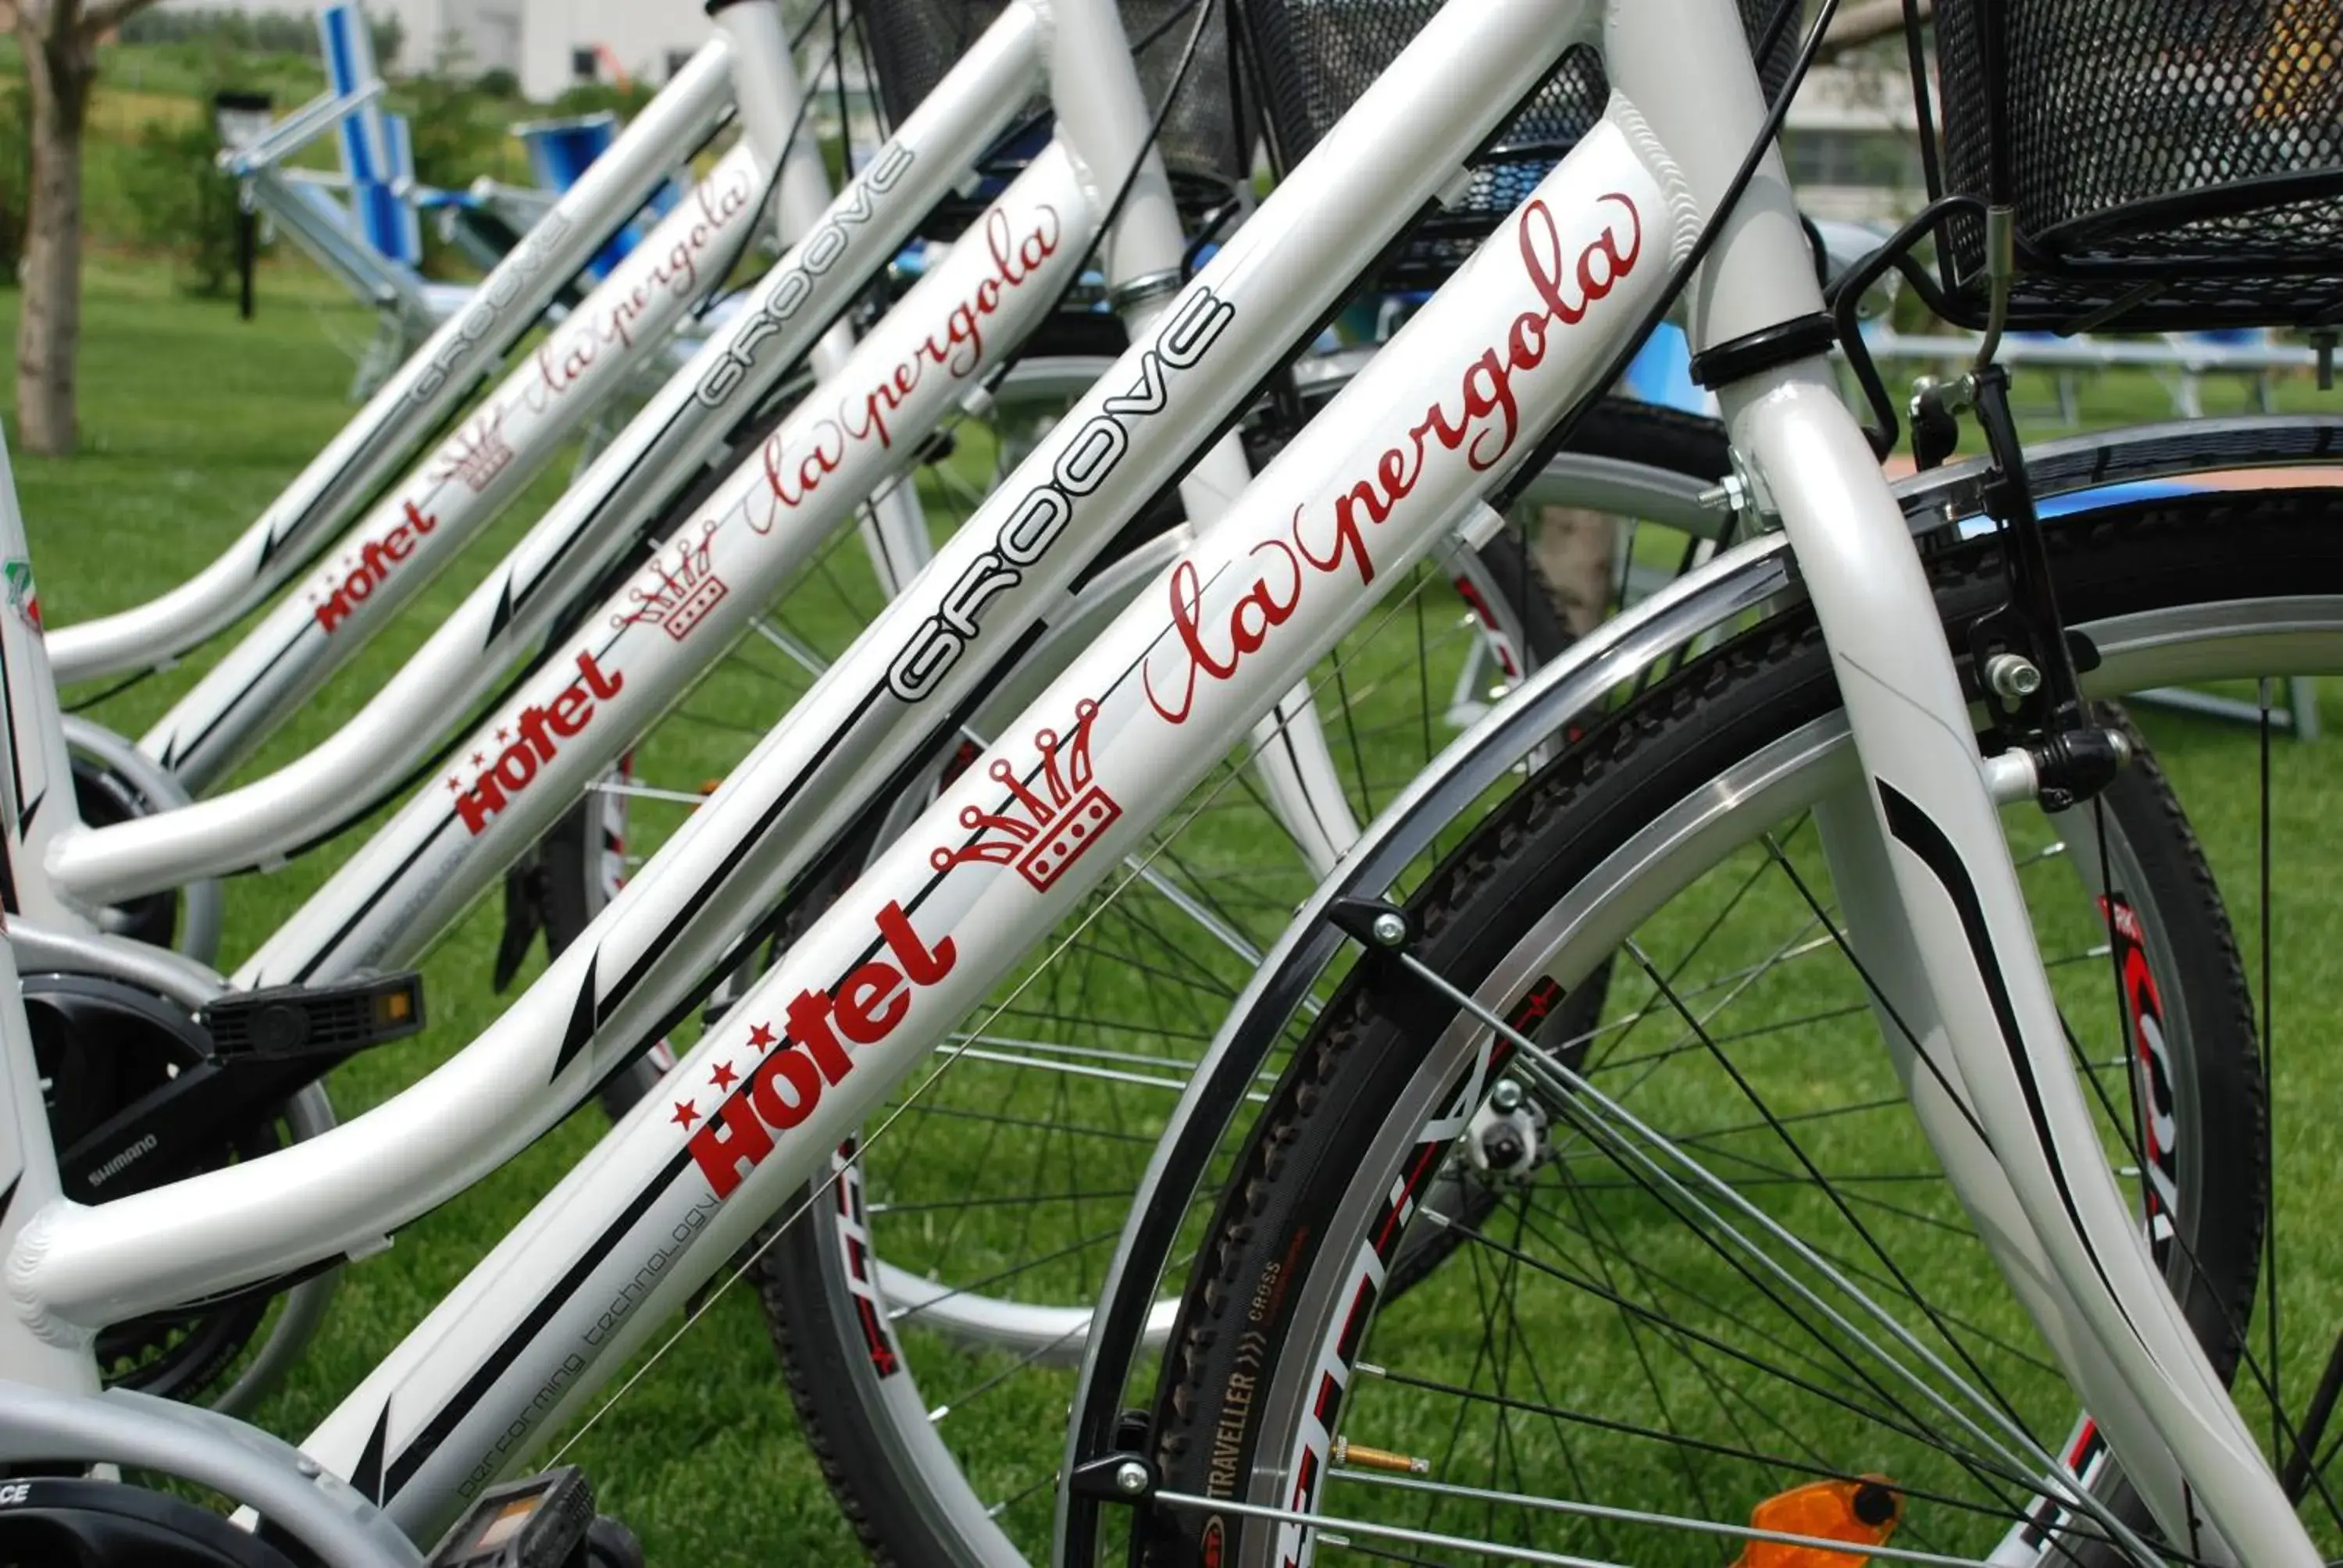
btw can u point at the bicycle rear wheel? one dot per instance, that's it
(1621, 1366)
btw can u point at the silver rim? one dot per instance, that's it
(1370, 1510)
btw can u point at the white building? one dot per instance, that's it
(1853, 148)
(551, 44)
(548, 44)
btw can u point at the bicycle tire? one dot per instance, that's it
(1352, 1096)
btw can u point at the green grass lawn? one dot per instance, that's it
(193, 421)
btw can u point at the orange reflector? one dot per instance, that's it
(394, 1007)
(1863, 1512)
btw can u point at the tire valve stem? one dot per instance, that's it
(1365, 1458)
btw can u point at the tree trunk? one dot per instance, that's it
(59, 71)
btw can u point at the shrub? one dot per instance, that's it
(182, 203)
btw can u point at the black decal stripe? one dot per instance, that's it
(32, 809)
(180, 749)
(1919, 833)
(503, 612)
(16, 752)
(367, 1479)
(415, 1454)
(583, 1017)
(9, 1198)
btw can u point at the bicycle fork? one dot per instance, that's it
(1932, 904)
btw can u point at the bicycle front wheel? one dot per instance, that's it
(929, 1310)
(1671, 1328)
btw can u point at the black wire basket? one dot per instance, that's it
(2170, 165)
(1313, 58)
(913, 44)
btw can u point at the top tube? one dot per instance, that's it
(435, 379)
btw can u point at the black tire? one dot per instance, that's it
(1338, 1127)
(831, 1363)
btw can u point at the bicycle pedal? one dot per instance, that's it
(542, 1521)
(295, 1020)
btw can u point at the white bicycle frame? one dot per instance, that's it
(399, 892)
(596, 353)
(424, 391)
(402, 542)
(859, 1002)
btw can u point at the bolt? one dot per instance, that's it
(1728, 495)
(307, 1465)
(1130, 1478)
(1506, 1095)
(2012, 676)
(1503, 1147)
(1389, 928)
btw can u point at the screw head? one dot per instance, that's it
(1505, 1095)
(2012, 676)
(1389, 928)
(308, 1466)
(1130, 1478)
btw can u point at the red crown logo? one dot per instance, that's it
(1046, 825)
(478, 453)
(678, 597)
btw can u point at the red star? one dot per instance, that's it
(504, 734)
(478, 759)
(452, 784)
(723, 1077)
(761, 1034)
(686, 1113)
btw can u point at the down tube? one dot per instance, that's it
(858, 1004)
(601, 689)
(425, 390)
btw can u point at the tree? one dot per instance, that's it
(60, 47)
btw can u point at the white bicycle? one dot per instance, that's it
(1136, 722)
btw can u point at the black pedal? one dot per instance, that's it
(296, 1020)
(539, 1522)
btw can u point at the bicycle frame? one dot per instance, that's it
(425, 390)
(626, 325)
(497, 448)
(633, 480)
(407, 885)
(859, 1002)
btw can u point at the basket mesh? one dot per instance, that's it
(2173, 165)
(1316, 56)
(913, 43)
